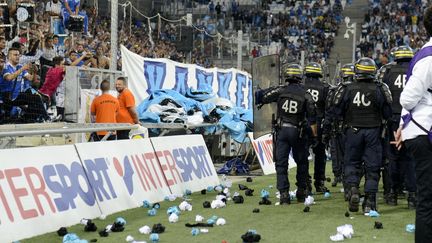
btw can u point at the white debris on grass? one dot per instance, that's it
(145, 230)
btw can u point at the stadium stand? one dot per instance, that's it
(389, 24)
(53, 29)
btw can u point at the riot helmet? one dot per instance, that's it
(365, 68)
(402, 52)
(293, 73)
(347, 71)
(313, 69)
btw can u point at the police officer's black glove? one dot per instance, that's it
(259, 94)
(315, 142)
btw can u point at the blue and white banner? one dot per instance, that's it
(146, 75)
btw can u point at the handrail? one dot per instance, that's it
(42, 129)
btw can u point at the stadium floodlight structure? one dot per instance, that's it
(351, 28)
(114, 34)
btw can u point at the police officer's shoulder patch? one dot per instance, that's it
(386, 91)
(384, 70)
(339, 93)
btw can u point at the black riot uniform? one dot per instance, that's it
(363, 105)
(401, 165)
(319, 91)
(332, 126)
(294, 106)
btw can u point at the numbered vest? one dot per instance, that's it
(395, 79)
(317, 90)
(363, 110)
(291, 107)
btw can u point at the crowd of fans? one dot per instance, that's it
(308, 26)
(47, 43)
(389, 24)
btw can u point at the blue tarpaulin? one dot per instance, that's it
(167, 105)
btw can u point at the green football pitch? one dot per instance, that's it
(274, 223)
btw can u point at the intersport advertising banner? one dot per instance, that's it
(42, 189)
(186, 163)
(45, 188)
(123, 173)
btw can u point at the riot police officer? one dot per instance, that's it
(294, 106)
(363, 105)
(333, 126)
(401, 164)
(318, 90)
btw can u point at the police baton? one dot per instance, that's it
(274, 135)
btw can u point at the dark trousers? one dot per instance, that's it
(287, 140)
(35, 110)
(96, 138)
(401, 164)
(123, 134)
(421, 150)
(337, 150)
(320, 156)
(363, 144)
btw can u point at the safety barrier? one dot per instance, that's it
(44, 188)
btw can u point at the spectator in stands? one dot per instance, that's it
(224, 9)
(102, 61)
(104, 109)
(218, 9)
(127, 112)
(74, 57)
(211, 7)
(16, 89)
(48, 52)
(2, 48)
(53, 77)
(53, 7)
(72, 8)
(67, 45)
(254, 52)
(58, 48)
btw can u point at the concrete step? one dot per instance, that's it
(343, 49)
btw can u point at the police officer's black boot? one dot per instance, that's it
(309, 183)
(369, 202)
(319, 186)
(412, 200)
(354, 199)
(284, 198)
(391, 198)
(346, 194)
(301, 194)
(336, 180)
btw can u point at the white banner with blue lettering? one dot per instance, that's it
(146, 75)
(42, 189)
(186, 163)
(123, 173)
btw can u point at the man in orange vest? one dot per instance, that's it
(104, 109)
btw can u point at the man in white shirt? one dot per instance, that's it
(416, 130)
(53, 7)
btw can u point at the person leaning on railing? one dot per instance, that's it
(127, 112)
